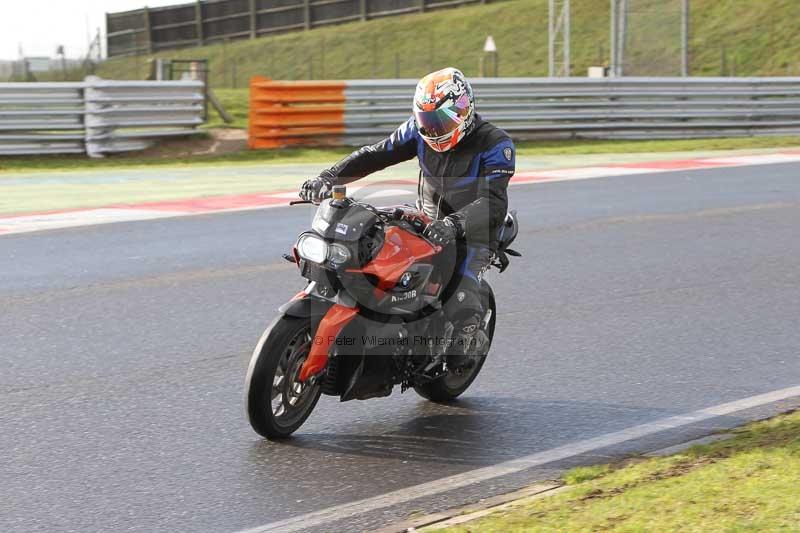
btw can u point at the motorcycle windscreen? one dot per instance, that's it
(343, 223)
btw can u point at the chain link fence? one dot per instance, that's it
(650, 36)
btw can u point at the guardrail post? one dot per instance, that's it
(94, 131)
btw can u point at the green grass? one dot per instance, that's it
(58, 163)
(236, 104)
(328, 155)
(755, 37)
(325, 155)
(747, 483)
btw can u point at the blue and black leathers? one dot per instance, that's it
(468, 183)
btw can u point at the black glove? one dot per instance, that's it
(315, 189)
(442, 232)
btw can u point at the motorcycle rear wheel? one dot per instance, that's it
(453, 385)
(277, 403)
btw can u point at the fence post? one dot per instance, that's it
(148, 30)
(422, 6)
(307, 13)
(363, 6)
(684, 38)
(253, 18)
(198, 22)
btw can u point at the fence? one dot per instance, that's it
(360, 111)
(149, 30)
(95, 116)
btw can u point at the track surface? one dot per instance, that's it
(124, 349)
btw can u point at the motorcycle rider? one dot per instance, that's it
(465, 166)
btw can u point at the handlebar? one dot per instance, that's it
(323, 196)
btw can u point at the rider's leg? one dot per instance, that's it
(463, 307)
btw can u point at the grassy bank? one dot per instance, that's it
(236, 103)
(728, 37)
(748, 483)
(323, 155)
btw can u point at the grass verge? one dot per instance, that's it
(325, 155)
(747, 483)
(236, 102)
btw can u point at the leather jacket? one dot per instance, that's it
(468, 182)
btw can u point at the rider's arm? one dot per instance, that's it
(399, 146)
(486, 213)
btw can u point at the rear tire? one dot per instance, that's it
(451, 386)
(276, 403)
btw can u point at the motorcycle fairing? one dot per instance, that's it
(400, 250)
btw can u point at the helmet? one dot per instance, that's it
(444, 108)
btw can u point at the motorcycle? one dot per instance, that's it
(370, 317)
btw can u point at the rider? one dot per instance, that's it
(465, 165)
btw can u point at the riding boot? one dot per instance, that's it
(462, 346)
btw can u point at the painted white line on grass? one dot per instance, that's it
(347, 510)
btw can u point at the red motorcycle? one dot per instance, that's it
(371, 316)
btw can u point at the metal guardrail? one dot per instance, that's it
(96, 116)
(361, 111)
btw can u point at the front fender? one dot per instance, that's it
(331, 318)
(305, 306)
(330, 326)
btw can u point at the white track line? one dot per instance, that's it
(347, 510)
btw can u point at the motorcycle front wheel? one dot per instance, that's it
(453, 385)
(276, 402)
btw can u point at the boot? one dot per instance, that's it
(461, 354)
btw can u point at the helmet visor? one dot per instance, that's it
(444, 120)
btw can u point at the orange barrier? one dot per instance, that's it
(286, 113)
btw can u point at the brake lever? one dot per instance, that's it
(298, 202)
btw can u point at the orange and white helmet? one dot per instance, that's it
(444, 108)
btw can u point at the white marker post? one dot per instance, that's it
(490, 51)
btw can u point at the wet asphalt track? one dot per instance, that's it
(124, 347)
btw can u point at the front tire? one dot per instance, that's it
(276, 403)
(449, 387)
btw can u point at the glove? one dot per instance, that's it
(442, 232)
(315, 189)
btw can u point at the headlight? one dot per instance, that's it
(338, 254)
(312, 249)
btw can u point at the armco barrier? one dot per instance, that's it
(96, 116)
(354, 112)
